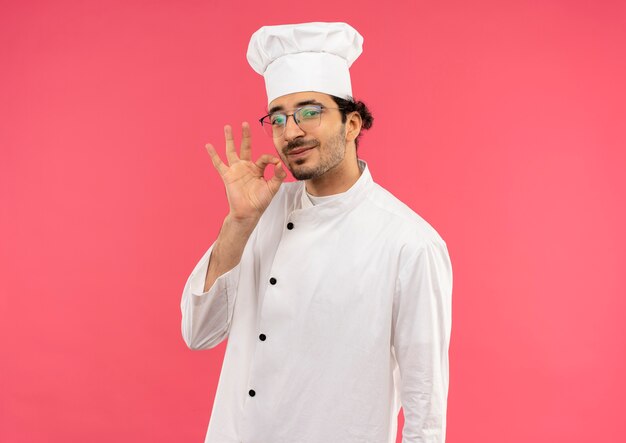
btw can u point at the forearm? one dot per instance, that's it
(228, 248)
(206, 315)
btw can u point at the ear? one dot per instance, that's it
(353, 125)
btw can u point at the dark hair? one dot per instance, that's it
(350, 105)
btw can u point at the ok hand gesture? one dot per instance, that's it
(248, 193)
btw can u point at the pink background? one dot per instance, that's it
(501, 123)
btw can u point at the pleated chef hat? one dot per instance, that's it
(305, 57)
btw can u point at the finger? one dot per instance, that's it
(215, 158)
(279, 176)
(231, 154)
(246, 142)
(265, 160)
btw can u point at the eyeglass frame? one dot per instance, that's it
(316, 105)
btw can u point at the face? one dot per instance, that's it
(311, 154)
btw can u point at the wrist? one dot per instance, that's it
(242, 224)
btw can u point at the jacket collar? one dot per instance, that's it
(305, 209)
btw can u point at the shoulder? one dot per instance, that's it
(407, 224)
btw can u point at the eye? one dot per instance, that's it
(310, 112)
(278, 119)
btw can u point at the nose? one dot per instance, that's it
(292, 130)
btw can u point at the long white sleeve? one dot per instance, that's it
(206, 316)
(421, 336)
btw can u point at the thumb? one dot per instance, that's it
(279, 176)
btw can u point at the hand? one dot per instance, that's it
(248, 193)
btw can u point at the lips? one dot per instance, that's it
(300, 150)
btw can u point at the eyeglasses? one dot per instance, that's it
(307, 118)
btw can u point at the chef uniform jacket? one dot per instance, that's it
(336, 315)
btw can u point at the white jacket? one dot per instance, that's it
(336, 314)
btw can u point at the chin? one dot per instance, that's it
(307, 173)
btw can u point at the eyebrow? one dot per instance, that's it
(304, 103)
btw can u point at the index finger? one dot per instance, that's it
(266, 159)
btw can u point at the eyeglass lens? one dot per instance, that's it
(306, 118)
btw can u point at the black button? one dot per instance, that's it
(289, 225)
(272, 281)
(251, 392)
(262, 337)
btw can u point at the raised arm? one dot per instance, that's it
(249, 194)
(209, 295)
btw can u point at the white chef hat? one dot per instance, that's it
(305, 57)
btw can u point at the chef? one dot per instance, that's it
(335, 297)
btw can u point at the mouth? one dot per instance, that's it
(297, 152)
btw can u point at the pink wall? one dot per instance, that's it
(501, 123)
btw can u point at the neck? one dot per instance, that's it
(336, 180)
